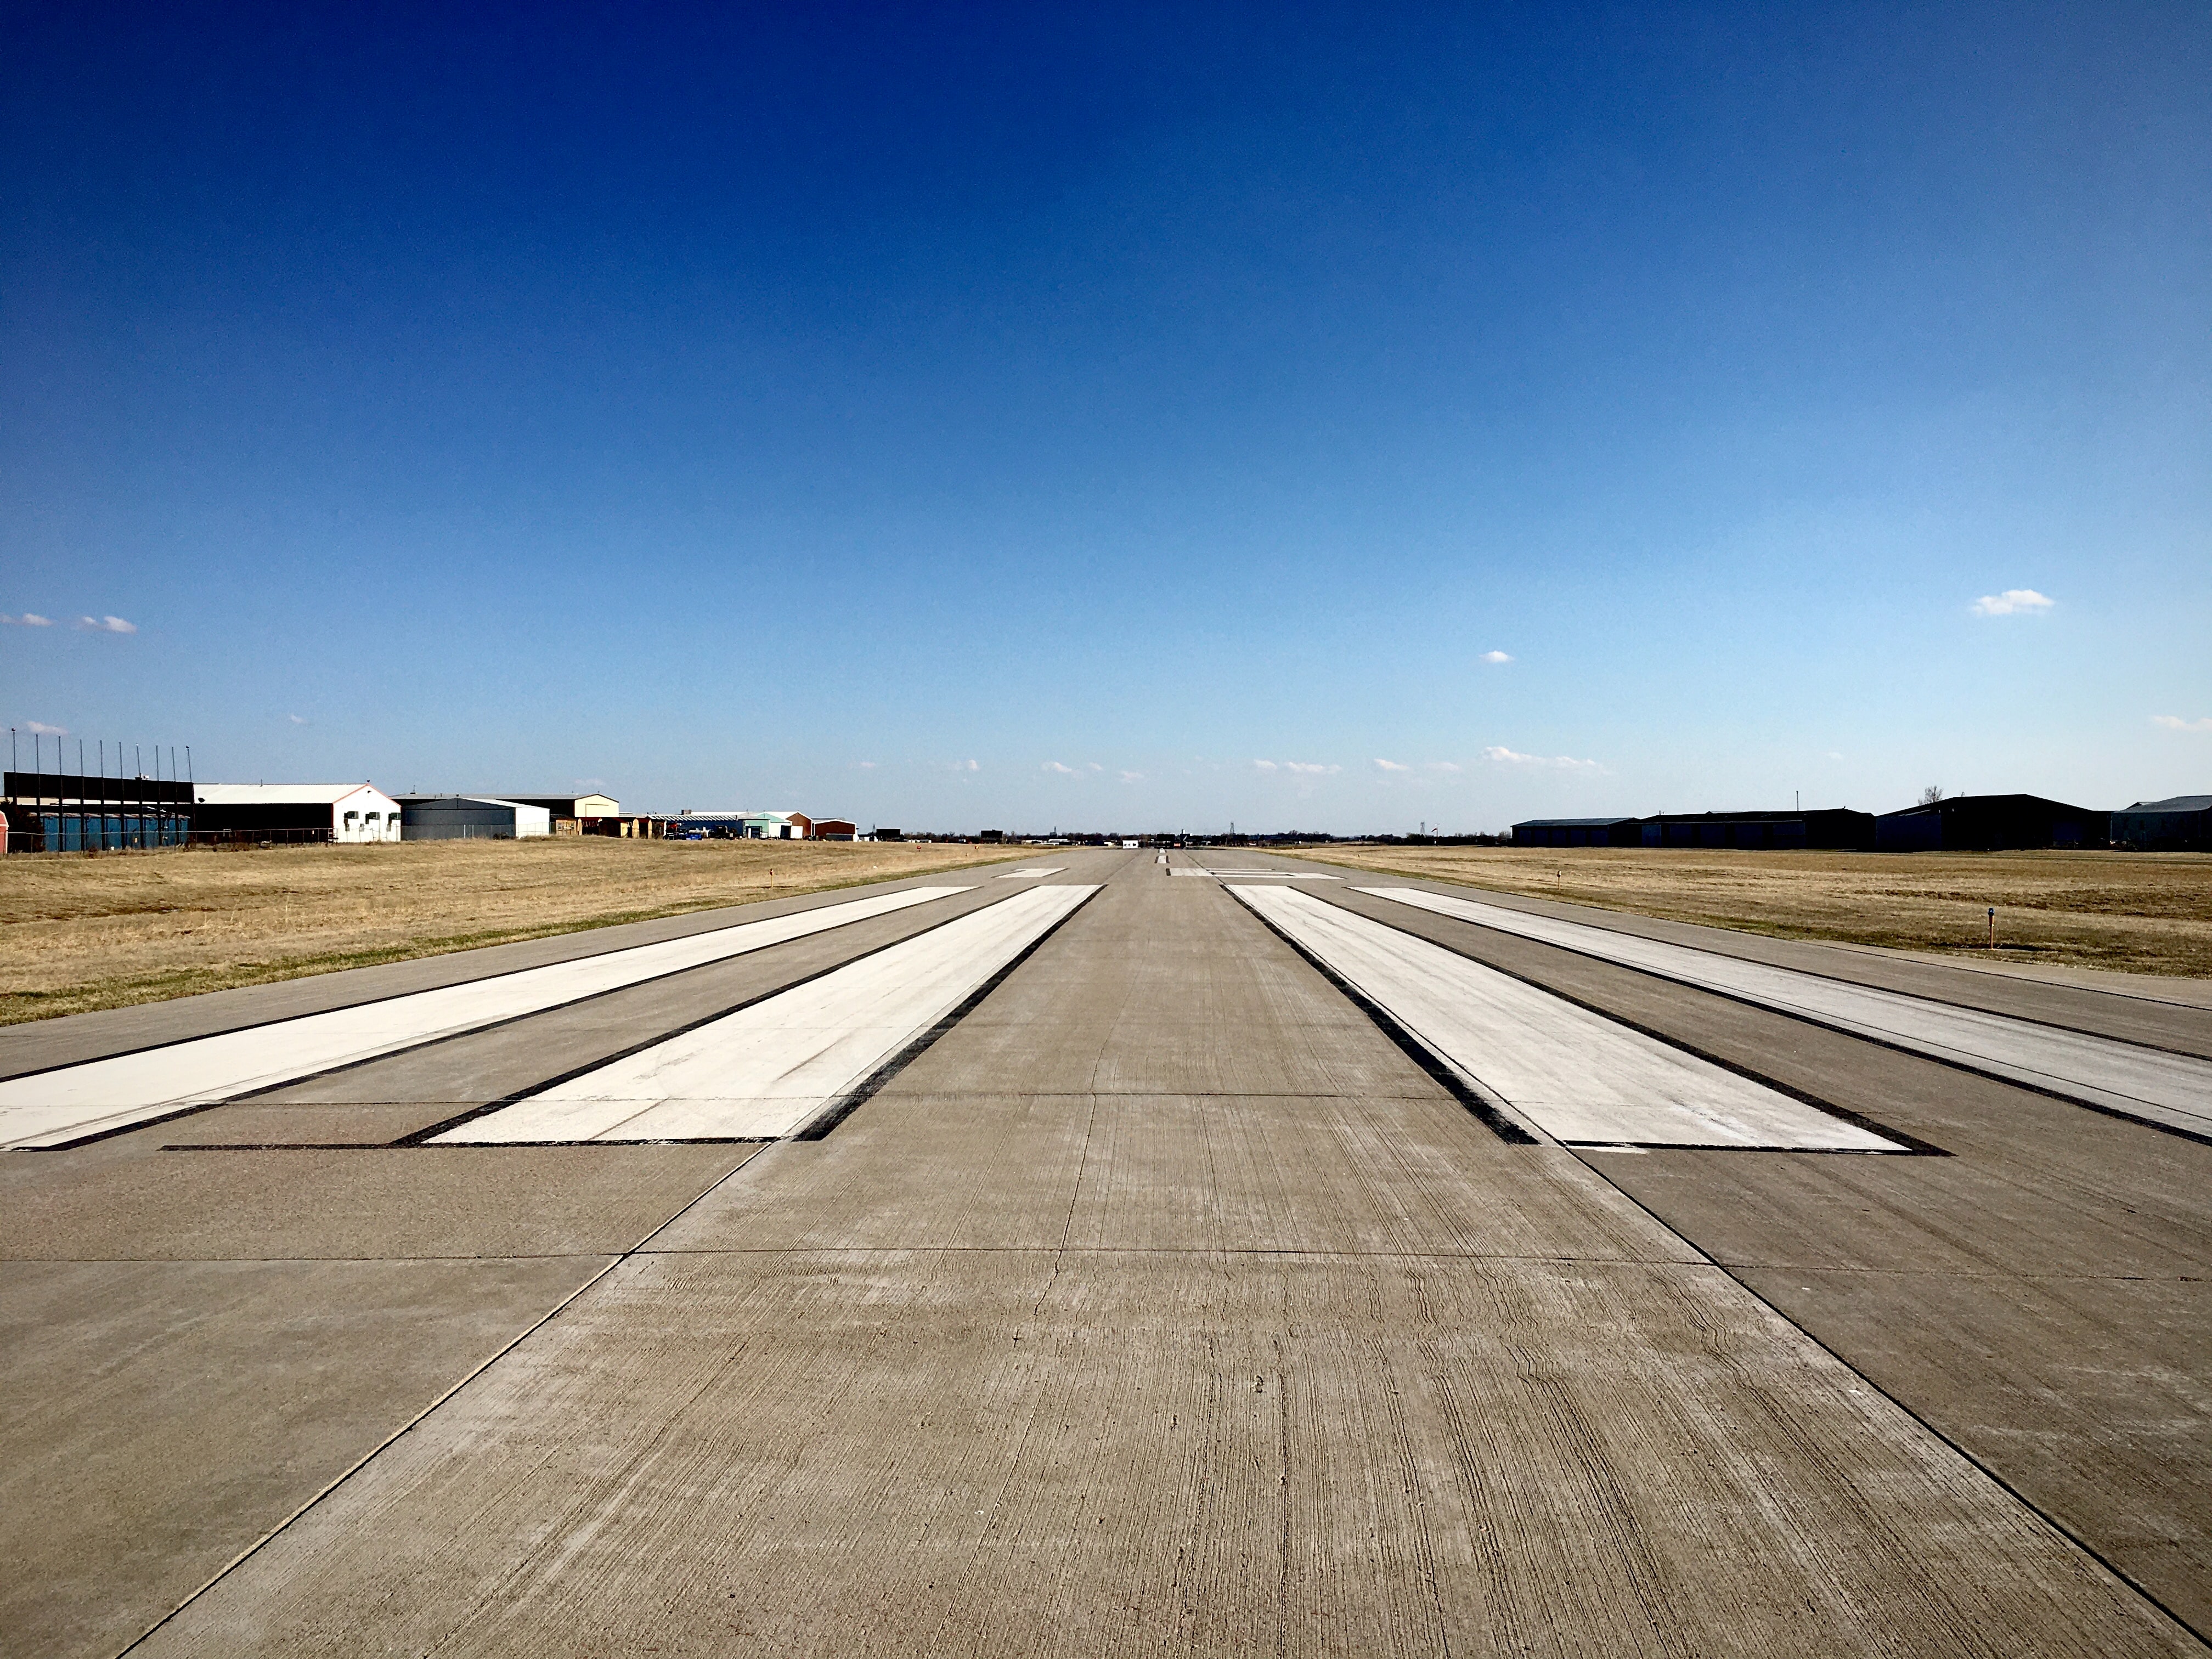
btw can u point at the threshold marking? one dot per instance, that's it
(1581, 1079)
(780, 1066)
(1025, 874)
(2168, 1090)
(68, 1104)
(1247, 875)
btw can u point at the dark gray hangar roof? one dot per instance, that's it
(1572, 823)
(1988, 824)
(2179, 823)
(1825, 829)
(1577, 832)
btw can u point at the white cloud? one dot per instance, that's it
(1504, 757)
(1390, 766)
(1442, 766)
(2013, 602)
(45, 731)
(1132, 777)
(2175, 723)
(966, 766)
(1092, 766)
(1064, 771)
(298, 720)
(1309, 769)
(1496, 656)
(28, 619)
(865, 766)
(1265, 766)
(108, 624)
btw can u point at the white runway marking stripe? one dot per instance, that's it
(765, 1071)
(2174, 1090)
(1247, 875)
(1582, 1079)
(1025, 872)
(50, 1109)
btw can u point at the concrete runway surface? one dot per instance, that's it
(1081, 1261)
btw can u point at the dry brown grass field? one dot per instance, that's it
(100, 930)
(2136, 913)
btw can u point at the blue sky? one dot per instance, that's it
(962, 416)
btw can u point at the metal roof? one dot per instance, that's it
(1572, 824)
(278, 795)
(1992, 803)
(2173, 804)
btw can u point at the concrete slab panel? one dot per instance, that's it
(1965, 1215)
(2089, 1395)
(388, 1205)
(1129, 1172)
(252, 1123)
(157, 1418)
(1033, 1453)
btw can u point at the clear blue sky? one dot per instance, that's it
(953, 416)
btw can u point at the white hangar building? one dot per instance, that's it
(350, 811)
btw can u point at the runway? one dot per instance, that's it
(1219, 1255)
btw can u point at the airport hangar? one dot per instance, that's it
(1957, 824)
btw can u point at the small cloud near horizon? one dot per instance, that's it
(1442, 766)
(40, 729)
(2175, 723)
(1390, 765)
(28, 619)
(1132, 777)
(106, 625)
(1064, 771)
(1504, 757)
(1496, 656)
(299, 720)
(2013, 602)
